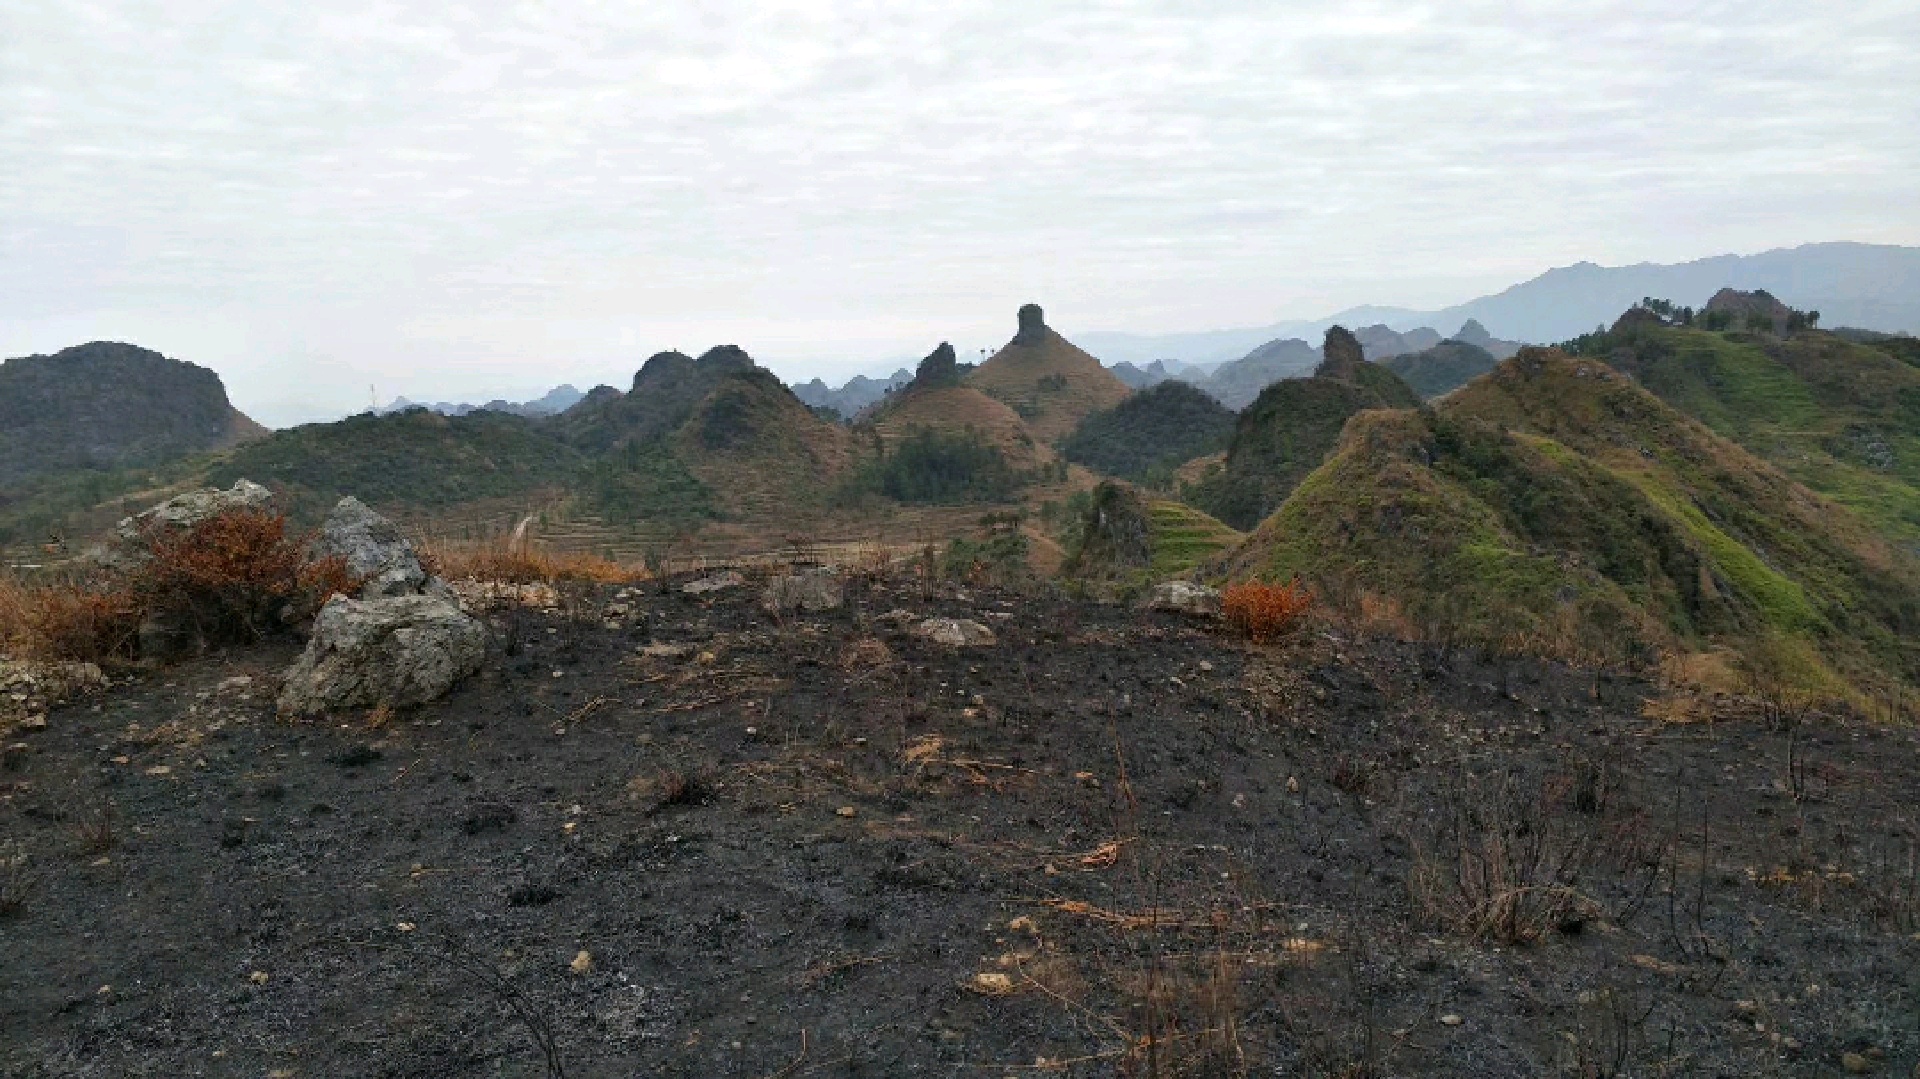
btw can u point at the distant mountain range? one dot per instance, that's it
(553, 402)
(1869, 286)
(858, 393)
(1236, 383)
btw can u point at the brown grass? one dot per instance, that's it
(1261, 611)
(66, 620)
(523, 564)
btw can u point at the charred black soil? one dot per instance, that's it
(1110, 843)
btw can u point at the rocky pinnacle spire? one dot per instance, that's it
(1033, 326)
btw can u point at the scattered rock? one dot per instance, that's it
(373, 549)
(488, 595)
(396, 650)
(667, 651)
(956, 632)
(1184, 597)
(127, 548)
(1451, 1020)
(29, 688)
(716, 582)
(816, 590)
(1855, 1063)
(582, 963)
(845, 811)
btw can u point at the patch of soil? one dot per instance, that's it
(1111, 843)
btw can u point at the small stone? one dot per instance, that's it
(1855, 1063)
(159, 770)
(1451, 1020)
(34, 723)
(582, 963)
(1293, 785)
(258, 977)
(845, 811)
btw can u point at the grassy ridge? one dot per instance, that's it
(1284, 435)
(1841, 416)
(1156, 429)
(1557, 503)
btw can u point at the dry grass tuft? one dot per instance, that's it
(522, 563)
(1261, 611)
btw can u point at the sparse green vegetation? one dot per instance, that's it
(940, 467)
(1838, 414)
(1155, 429)
(1557, 507)
(1284, 435)
(416, 457)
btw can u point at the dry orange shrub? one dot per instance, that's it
(231, 578)
(1262, 611)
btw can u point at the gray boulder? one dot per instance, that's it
(127, 548)
(1184, 597)
(717, 582)
(373, 548)
(815, 590)
(393, 650)
(956, 632)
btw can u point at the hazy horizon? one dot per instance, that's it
(453, 203)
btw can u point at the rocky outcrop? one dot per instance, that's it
(1341, 355)
(1184, 597)
(373, 548)
(397, 651)
(940, 368)
(128, 546)
(1033, 326)
(816, 590)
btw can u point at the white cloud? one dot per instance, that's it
(443, 195)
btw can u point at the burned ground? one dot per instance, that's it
(1111, 843)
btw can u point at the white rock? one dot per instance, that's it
(1184, 597)
(715, 582)
(956, 632)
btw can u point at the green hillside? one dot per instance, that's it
(1555, 504)
(1446, 366)
(1289, 430)
(417, 458)
(1841, 416)
(1125, 537)
(1156, 429)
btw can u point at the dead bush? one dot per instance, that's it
(667, 788)
(68, 620)
(1261, 611)
(1502, 860)
(234, 577)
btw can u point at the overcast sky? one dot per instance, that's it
(444, 200)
